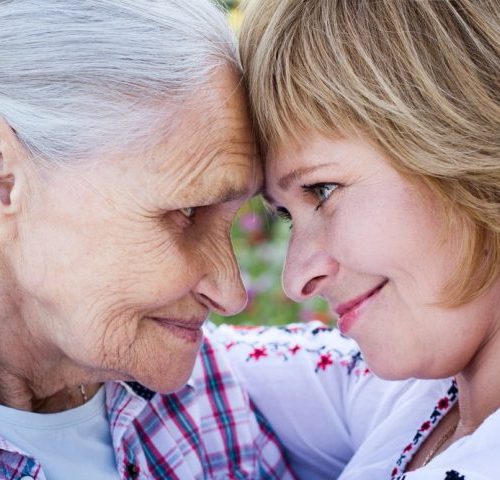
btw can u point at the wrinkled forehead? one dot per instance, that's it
(210, 143)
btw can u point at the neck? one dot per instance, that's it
(34, 375)
(479, 386)
(54, 396)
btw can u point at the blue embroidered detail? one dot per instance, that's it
(454, 475)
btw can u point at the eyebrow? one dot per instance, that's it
(295, 175)
(228, 194)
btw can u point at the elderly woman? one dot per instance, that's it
(380, 125)
(125, 152)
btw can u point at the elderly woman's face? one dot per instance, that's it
(371, 243)
(120, 264)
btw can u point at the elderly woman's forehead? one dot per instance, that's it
(214, 124)
(215, 163)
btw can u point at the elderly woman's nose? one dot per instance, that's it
(307, 271)
(221, 289)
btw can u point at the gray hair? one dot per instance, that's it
(78, 77)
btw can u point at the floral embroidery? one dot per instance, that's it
(443, 403)
(324, 358)
(425, 426)
(293, 350)
(324, 361)
(355, 359)
(258, 353)
(442, 406)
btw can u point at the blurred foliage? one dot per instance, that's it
(230, 4)
(260, 240)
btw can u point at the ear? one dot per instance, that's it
(13, 163)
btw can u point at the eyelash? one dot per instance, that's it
(284, 214)
(191, 214)
(312, 189)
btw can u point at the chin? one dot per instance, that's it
(167, 378)
(386, 368)
(164, 358)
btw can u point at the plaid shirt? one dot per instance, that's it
(207, 430)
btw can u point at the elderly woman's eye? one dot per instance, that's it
(188, 212)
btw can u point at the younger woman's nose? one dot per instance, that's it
(306, 276)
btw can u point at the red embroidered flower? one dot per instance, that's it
(324, 361)
(230, 345)
(408, 448)
(443, 403)
(294, 349)
(258, 352)
(425, 426)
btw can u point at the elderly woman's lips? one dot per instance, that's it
(189, 330)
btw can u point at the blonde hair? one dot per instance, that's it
(419, 78)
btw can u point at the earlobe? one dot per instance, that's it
(6, 185)
(12, 159)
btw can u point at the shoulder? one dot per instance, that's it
(474, 457)
(209, 426)
(312, 384)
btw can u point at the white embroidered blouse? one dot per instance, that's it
(339, 421)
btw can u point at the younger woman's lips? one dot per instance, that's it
(347, 306)
(350, 315)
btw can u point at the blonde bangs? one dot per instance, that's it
(280, 58)
(419, 78)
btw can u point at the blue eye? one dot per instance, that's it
(322, 191)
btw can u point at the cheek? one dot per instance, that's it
(208, 240)
(383, 233)
(152, 268)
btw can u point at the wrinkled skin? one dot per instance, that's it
(100, 253)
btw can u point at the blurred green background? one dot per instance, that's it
(260, 241)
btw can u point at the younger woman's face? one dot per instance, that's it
(371, 243)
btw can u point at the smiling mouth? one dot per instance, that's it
(346, 307)
(189, 331)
